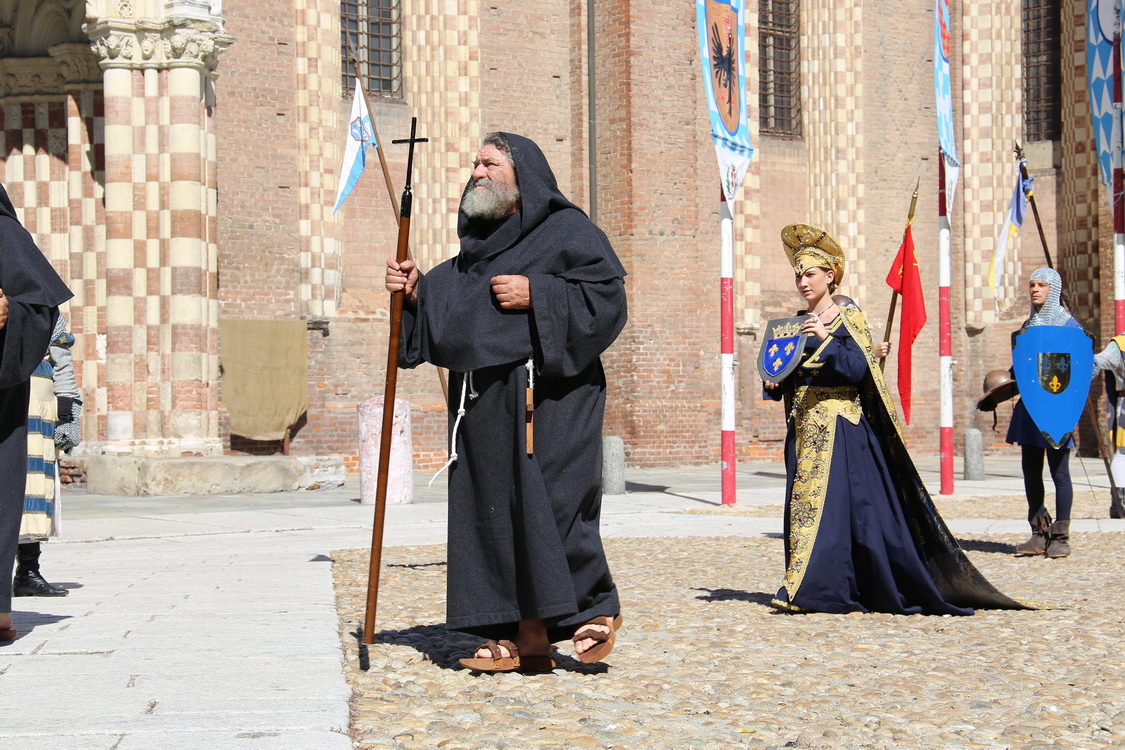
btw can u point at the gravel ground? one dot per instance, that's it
(703, 661)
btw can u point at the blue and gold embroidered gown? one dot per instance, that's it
(861, 531)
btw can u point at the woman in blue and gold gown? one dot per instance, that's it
(861, 532)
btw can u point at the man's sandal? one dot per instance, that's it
(604, 645)
(8, 635)
(497, 662)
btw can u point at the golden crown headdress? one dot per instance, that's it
(811, 247)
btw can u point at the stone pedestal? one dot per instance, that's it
(974, 455)
(400, 479)
(613, 466)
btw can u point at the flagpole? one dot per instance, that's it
(378, 141)
(726, 349)
(894, 294)
(386, 172)
(1118, 197)
(945, 337)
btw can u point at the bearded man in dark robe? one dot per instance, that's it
(30, 295)
(533, 299)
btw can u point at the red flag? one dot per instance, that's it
(904, 279)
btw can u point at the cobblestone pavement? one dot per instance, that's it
(704, 661)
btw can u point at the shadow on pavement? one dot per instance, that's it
(25, 622)
(976, 545)
(446, 648)
(730, 595)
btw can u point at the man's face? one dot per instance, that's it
(492, 192)
(1039, 291)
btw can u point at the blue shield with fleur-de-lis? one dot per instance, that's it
(781, 351)
(1052, 366)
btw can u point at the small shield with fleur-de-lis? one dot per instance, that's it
(1054, 371)
(781, 351)
(1052, 367)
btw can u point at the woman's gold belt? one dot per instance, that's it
(823, 404)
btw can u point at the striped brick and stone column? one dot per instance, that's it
(161, 314)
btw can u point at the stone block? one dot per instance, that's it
(321, 472)
(206, 475)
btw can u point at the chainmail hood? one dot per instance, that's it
(1052, 312)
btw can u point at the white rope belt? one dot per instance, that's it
(466, 387)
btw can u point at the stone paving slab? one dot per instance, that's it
(208, 740)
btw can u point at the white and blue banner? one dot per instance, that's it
(943, 93)
(1003, 276)
(722, 53)
(360, 135)
(1103, 22)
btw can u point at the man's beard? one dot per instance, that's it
(485, 199)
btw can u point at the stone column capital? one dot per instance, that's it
(78, 65)
(172, 42)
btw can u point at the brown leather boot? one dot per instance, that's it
(1040, 535)
(1059, 543)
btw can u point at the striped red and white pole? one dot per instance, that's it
(945, 338)
(1117, 200)
(1118, 251)
(726, 326)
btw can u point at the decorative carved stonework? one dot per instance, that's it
(78, 64)
(31, 26)
(174, 42)
(30, 77)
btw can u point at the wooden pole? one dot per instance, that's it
(389, 401)
(386, 173)
(1090, 412)
(378, 141)
(894, 294)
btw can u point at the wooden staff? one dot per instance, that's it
(1047, 255)
(389, 398)
(894, 293)
(386, 172)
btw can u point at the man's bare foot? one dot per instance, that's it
(530, 640)
(594, 639)
(584, 645)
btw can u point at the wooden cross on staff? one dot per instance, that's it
(397, 299)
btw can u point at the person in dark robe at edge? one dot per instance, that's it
(1048, 538)
(526, 308)
(861, 531)
(30, 294)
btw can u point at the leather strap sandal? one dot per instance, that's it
(8, 635)
(497, 662)
(605, 641)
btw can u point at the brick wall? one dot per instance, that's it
(869, 136)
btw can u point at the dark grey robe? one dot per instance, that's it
(34, 292)
(524, 541)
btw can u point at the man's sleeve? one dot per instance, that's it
(573, 322)
(24, 340)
